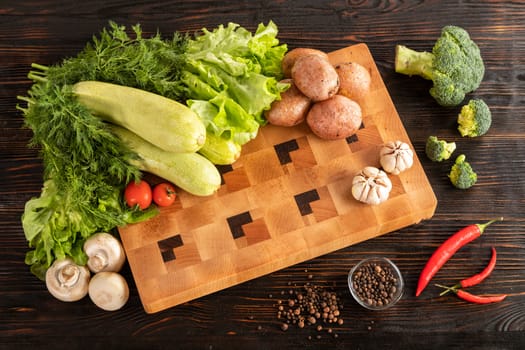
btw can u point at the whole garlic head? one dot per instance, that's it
(371, 186)
(395, 157)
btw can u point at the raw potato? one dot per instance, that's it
(354, 80)
(291, 56)
(291, 109)
(315, 77)
(336, 118)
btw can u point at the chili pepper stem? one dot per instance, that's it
(454, 288)
(482, 227)
(448, 248)
(478, 299)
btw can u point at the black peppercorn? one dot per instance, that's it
(375, 283)
(310, 305)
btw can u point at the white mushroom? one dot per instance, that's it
(105, 253)
(395, 157)
(108, 290)
(67, 281)
(371, 185)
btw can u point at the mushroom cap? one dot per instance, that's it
(67, 281)
(105, 253)
(108, 290)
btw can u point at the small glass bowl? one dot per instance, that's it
(387, 283)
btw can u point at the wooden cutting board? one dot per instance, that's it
(286, 200)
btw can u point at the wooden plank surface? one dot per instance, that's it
(287, 199)
(244, 316)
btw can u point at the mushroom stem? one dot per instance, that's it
(98, 261)
(105, 253)
(66, 280)
(68, 275)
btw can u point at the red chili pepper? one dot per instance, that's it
(472, 298)
(480, 299)
(477, 278)
(445, 251)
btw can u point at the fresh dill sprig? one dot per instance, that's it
(85, 165)
(152, 64)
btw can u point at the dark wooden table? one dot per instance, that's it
(244, 316)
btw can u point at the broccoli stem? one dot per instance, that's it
(411, 62)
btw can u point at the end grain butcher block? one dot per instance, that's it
(286, 200)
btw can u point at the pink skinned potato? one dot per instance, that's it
(354, 80)
(291, 109)
(315, 77)
(336, 118)
(291, 56)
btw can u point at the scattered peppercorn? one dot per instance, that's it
(310, 305)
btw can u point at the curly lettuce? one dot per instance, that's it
(229, 76)
(232, 77)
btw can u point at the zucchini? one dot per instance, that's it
(164, 122)
(190, 171)
(219, 150)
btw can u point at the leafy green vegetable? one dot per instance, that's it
(439, 150)
(85, 168)
(232, 76)
(461, 174)
(455, 65)
(475, 118)
(223, 69)
(229, 74)
(151, 64)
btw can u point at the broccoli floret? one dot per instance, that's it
(474, 119)
(439, 150)
(455, 65)
(462, 175)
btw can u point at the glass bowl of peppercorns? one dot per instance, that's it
(376, 283)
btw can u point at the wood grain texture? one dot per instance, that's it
(286, 200)
(244, 316)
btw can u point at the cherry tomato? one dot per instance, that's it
(138, 193)
(164, 194)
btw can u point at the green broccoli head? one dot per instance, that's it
(474, 119)
(462, 175)
(455, 65)
(439, 150)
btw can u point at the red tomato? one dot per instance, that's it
(138, 193)
(164, 194)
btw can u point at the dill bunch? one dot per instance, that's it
(153, 64)
(85, 166)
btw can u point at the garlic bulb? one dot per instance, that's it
(395, 157)
(371, 186)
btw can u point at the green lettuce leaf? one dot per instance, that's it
(57, 223)
(229, 76)
(232, 77)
